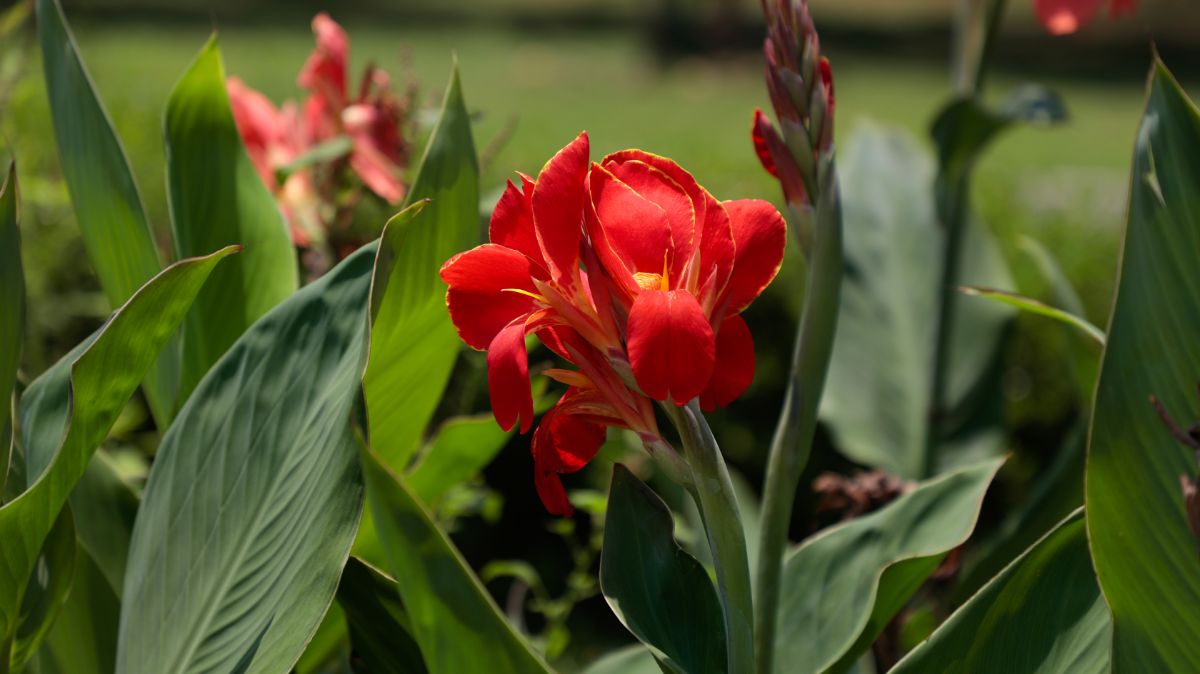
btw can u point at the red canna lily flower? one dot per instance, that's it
(1062, 17)
(630, 271)
(683, 266)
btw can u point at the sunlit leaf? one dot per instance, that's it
(217, 199)
(413, 344)
(1033, 306)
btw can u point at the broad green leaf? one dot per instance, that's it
(105, 196)
(660, 592)
(877, 396)
(635, 659)
(83, 639)
(218, 199)
(1033, 306)
(842, 586)
(67, 412)
(451, 615)
(462, 447)
(46, 591)
(1042, 615)
(12, 313)
(255, 493)
(1146, 556)
(413, 344)
(379, 629)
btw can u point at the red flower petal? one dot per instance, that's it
(634, 228)
(557, 204)
(1061, 17)
(735, 365)
(512, 222)
(479, 304)
(760, 235)
(259, 125)
(508, 377)
(379, 173)
(324, 73)
(717, 250)
(671, 345)
(661, 189)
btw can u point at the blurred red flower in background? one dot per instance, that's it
(630, 271)
(1062, 17)
(309, 154)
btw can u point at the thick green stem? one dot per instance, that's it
(792, 443)
(718, 507)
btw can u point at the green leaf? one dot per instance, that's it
(965, 127)
(462, 447)
(46, 591)
(105, 509)
(105, 196)
(218, 199)
(83, 639)
(660, 592)
(877, 396)
(67, 412)
(413, 344)
(1145, 553)
(379, 630)
(12, 313)
(842, 586)
(1033, 306)
(255, 493)
(1042, 615)
(634, 659)
(452, 616)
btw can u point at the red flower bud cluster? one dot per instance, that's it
(800, 85)
(1062, 17)
(632, 272)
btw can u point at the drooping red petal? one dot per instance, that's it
(479, 299)
(563, 443)
(508, 377)
(635, 228)
(1062, 17)
(659, 188)
(671, 345)
(760, 234)
(557, 203)
(551, 491)
(734, 369)
(512, 222)
(379, 173)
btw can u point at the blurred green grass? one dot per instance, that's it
(1064, 186)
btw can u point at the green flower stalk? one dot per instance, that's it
(800, 153)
